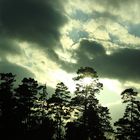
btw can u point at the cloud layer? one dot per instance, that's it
(97, 33)
(122, 64)
(36, 22)
(17, 70)
(32, 21)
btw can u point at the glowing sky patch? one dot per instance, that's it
(87, 81)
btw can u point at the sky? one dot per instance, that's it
(50, 39)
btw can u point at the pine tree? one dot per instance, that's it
(26, 95)
(105, 124)
(129, 125)
(7, 102)
(41, 103)
(87, 104)
(59, 108)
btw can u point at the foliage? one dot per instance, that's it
(93, 114)
(59, 108)
(27, 111)
(129, 125)
(7, 102)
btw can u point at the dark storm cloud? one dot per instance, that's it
(123, 64)
(91, 48)
(19, 71)
(8, 46)
(87, 51)
(34, 21)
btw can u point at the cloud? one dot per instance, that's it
(125, 10)
(107, 6)
(94, 48)
(19, 71)
(81, 15)
(102, 27)
(33, 21)
(122, 64)
(84, 55)
(115, 4)
(8, 46)
(85, 16)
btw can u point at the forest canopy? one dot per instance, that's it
(28, 111)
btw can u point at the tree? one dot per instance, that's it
(59, 108)
(105, 124)
(41, 103)
(44, 127)
(7, 102)
(26, 95)
(85, 101)
(75, 131)
(129, 125)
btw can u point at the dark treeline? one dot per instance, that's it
(28, 112)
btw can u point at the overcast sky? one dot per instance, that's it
(50, 39)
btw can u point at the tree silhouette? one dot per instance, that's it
(26, 95)
(129, 125)
(85, 101)
(41, 103)
(7, 103)
(45, 127)
(75, 131)
(59, 108)
(27, 112)
(105, 125)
